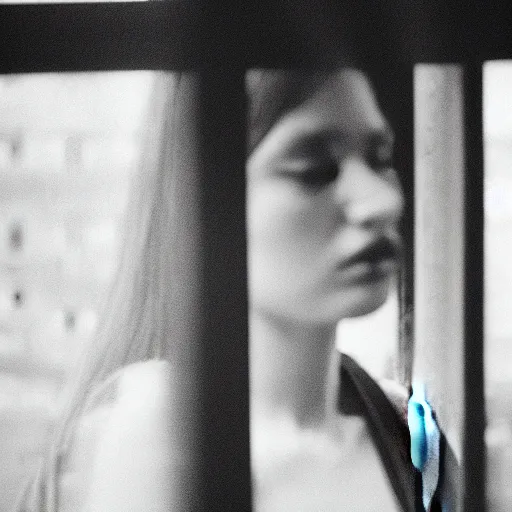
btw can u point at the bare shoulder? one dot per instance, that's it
(127, 410)
(143, 384)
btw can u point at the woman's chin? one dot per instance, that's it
(365, 300)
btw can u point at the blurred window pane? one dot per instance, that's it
(498, 280)
(68, 144)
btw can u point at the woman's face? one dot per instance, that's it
(323, 207)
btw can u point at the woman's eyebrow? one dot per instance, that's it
(311, 141)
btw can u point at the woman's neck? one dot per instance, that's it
(294, 372)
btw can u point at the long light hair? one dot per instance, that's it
(134, 317)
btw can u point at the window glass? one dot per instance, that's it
(498, 280)
(68, 145)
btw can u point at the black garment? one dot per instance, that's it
(360, 395)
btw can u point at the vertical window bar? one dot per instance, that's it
(218, 103)
(449, 270)
(402, 117)
(225, 429)
(208, 328)
(404, 162)
(395, 90)
(473, 445)
(439, 266)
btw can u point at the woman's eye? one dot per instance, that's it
(317, 175)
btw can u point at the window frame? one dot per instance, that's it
(155, 36)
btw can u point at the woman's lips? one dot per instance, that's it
(376, 260)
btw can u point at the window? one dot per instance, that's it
(158, 35)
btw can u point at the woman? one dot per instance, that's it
(323, 209)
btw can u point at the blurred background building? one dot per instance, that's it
(68, 144)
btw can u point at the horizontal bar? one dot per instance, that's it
(97, 36)
(267, 34)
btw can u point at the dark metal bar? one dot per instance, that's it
(216, 94)
(473, 445)
(404, 156)
(211, 154)
(287, 34)
(395, 90)
(208, 328)
(225, 391)
(97, 37)
(403, 125)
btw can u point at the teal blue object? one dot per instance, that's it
(416, 420)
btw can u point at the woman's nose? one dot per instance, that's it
(368, 197)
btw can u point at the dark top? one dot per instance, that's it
(361, 395)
